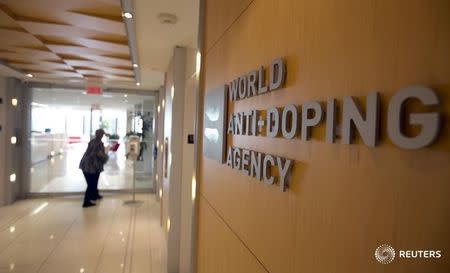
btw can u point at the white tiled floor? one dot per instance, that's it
(61, 173)
(58, 236)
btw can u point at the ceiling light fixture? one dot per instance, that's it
(138, 84)
(127, 15)
(167, 18)
(29, 75)
(135, 65)
(193, 187)
(198, 63)
(125, 95)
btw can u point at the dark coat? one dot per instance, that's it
(94, 158)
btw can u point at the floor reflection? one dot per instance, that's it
(61, 173)
(56, 235)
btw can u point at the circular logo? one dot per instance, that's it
(385, 254)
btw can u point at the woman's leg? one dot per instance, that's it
(88, 195)
(95, 192)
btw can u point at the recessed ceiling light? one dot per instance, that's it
(135, 65)
(84, 93)
(167, 18)
(29, 75)
(125, 95)
(138, 84)
(127, 15)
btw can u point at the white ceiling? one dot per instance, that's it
(78, 99)
(156, 41)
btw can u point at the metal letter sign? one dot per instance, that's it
(298, 121)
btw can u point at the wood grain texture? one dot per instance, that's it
(35, 32)
(344, 200)
(220, 16)
(215, 237)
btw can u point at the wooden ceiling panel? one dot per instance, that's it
(108, 71)
(108, 60)
(5, 19)
(96, 23)
(37, 53)
(119, 78)
(38, 28)
(80, 50)
(65, 38)
(97, 65)
(59, 74)
(16, 57)
(18, 38)
(112, 47)
(47, 66)
(83, 63)
(92, 72)
(97, 7)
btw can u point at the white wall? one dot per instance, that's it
(187, 204)
(3, 106)
(11, 120)
(179, 122)
(173, 132)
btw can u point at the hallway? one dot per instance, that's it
(61, 173)
(57, 235)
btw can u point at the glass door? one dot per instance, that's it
(64, 120)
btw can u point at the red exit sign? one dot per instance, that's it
(96, 90)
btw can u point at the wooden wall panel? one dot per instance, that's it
(221, 14)
(221, 250)
(345, 200)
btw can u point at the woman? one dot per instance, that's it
(92, 165)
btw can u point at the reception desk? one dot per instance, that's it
(43, 144)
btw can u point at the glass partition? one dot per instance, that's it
(64, 120)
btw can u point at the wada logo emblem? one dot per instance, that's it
(385, 254)
(214, 140)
